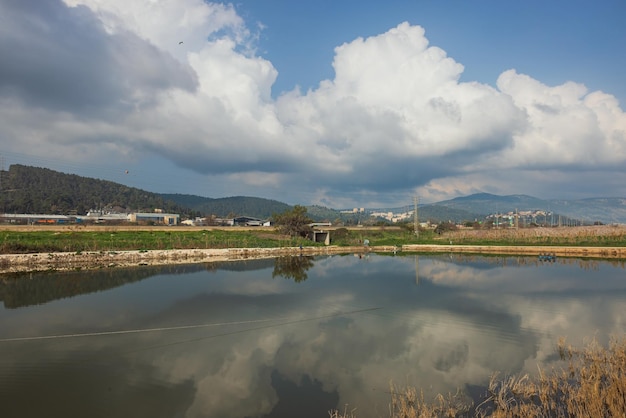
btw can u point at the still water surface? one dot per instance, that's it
(291, 337)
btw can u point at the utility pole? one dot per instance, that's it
(415, 223)
(1, 172)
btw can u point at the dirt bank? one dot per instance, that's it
(592, 252)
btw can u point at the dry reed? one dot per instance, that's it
(597, 235)
(593, 384)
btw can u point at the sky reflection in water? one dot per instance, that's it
(292, 336)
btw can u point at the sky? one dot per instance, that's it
(335, 103)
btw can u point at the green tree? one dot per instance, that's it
(294, 222)
(292, 267)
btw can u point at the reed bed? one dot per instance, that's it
(597, 235)
(592, 384)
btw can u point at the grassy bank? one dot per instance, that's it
(112, 239)
(42, 240)
(591, 384)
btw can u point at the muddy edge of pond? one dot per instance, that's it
(17, 263)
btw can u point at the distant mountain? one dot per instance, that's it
(605, 210)
(442, 213)
(236, 206)
(486, 203)
(434, 213)
(25, 189)
(254, 206)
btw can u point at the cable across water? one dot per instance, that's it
(181, 327)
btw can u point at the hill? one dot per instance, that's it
(441, 213)
(257, 207)
(26, 189)
(605, 210)
(230, 206)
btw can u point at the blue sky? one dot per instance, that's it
(555, 41)
(338, 103)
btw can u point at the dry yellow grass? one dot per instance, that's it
(408, 403)
(593, 384)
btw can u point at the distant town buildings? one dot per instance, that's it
(394, 217)
(355, 210)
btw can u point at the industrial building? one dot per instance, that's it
(159, 218)
(91, 217)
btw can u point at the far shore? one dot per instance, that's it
(23, 263)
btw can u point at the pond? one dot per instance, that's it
(293, 336)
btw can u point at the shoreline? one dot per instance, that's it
(559, 251)
(37, 262)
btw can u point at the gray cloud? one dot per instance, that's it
(61, 58)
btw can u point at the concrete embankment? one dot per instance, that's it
(593, 252)
(16, 263)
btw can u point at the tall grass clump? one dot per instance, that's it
(592, 384)
(409, 403)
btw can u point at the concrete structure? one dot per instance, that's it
(316, 224)
(320, 236)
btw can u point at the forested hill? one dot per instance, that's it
(25, 189)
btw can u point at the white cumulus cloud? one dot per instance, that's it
(181, 80)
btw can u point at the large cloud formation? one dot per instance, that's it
(92, 80)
